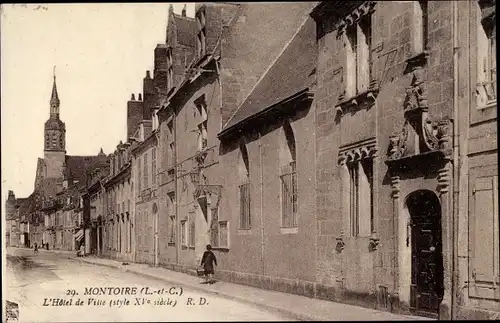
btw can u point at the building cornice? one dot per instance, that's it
(268, 113)
(124, 173)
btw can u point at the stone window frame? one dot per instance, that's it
(349, 97)
(288, 169)
(486, 54)
(420, 24)
(153, 166)
(358, 58)
(191, 233)
(220, 224)
(353, 155)
(170, 69)
(202, 108)
(201, 36)
(245, 214)
(139, 176)
(145, 170)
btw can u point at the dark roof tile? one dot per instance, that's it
(186, 30)
(291, 73)
(76, 165)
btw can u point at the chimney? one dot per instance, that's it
(133, 97)
(140, 97)
(184, 11)
(148, 75)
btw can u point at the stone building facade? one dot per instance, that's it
(391, 79)
(267, 217)
(144, 171)
(118, 239)
(476, 274)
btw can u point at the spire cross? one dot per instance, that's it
(54, 72)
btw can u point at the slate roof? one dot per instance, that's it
(50, 187)
(24, 204)
(76, 165)
(292, 72)
(186, 30)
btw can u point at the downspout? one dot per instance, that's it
(261, 205)
(456, 161)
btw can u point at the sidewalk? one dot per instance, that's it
(293, 306)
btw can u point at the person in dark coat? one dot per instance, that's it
(207, 262)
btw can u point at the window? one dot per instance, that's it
(244, 189)
(153, 166)
(170, 126)
(139, 175)
(170, 67)
(145, 165)
(131, 226)
(171, 146)
(420, 32)
(361, 197)
(358, 56)
(214, 228)
(192, 230)
(288, 180)
(171, 203)
(170, 175)
(201, 36)
(202, 125)
(223, 234)
(183, 233)
(171, 236)
(486, 54)
(202, 128)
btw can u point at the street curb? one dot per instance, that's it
(277, 309)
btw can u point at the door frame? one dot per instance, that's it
(411, 245)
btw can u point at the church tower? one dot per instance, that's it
(55, 138)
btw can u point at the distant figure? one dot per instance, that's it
(207, 262)
(82, 250)
(35, 249)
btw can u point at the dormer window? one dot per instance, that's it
(141, 132)
(201, 36)
(170, 70)
(154, 120)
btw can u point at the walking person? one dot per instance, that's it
(35, 249)
(207, 262)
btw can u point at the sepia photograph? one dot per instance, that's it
(249, 161)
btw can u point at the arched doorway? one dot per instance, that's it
(427, 286)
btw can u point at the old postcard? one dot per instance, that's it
(320, 160)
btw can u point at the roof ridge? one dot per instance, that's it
(176, 15)
(268, 69)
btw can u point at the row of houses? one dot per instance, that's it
(347, 153)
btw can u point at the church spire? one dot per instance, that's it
(54, 99)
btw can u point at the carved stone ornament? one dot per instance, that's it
(352, 18)
(420, 134)
(358, 151)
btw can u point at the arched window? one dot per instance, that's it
(288, 157)
(244, 188)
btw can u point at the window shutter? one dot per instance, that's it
(484, 241)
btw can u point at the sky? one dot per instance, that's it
(101, 53)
